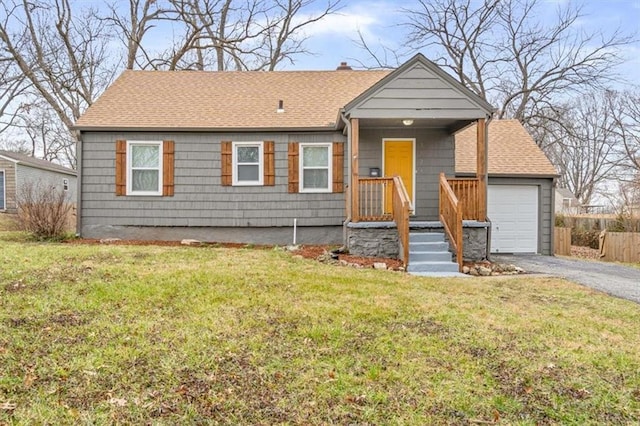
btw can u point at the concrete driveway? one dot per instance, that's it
(616, 280)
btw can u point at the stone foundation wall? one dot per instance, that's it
(370, 241)
(474, 243)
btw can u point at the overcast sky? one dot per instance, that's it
(334, 39)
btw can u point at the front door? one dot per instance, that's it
(398, 160)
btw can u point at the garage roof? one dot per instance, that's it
(512, 151)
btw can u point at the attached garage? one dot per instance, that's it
(513, 211)
(521, 187)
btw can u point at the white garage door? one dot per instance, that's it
(513, 210)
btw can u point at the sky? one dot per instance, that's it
(380, 21)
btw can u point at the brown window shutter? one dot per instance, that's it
(293, 166)
(168, 150)
(269, 164)
(121, 167)
(338, 167)
(226, 163)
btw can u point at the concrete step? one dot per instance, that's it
(428, 246)
(429, 256)
(426, 237)
(432, 267)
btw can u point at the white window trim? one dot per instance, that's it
(130, 190)
(234, 173)
(4, 190)
(329, 187)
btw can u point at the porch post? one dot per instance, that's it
(355, 142)
(481, 168)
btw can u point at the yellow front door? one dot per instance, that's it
(398, 161)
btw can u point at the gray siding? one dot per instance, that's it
(546, 208)
(418, 92)
(434, 154)
(9, 169)
(200, 200)
(47, 178)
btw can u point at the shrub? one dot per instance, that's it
(560, 220)
(585, 237)
(43, 210)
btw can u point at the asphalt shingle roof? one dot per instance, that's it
(226, 100)
(512, 151)
(37, 163)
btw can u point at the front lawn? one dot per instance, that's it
(176, 335)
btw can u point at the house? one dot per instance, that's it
(520, 191)
(566, 202)
(365, 158)
(17, 170)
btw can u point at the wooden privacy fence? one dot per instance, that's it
(562, 241)
(620, 246)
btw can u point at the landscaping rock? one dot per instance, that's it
(484, 271)
(109, 240)
(474, 272)
(380, 265)
(466, 269)
(187, 242)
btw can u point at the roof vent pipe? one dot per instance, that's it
(280, 106)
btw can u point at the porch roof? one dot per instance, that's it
(512, 151)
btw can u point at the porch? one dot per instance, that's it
(382, 210)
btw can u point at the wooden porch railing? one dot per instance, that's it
(386, 199)
(375, 199)
(401, 211)
(451, 217)
(466, 190)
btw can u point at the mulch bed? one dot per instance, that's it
(315, 252)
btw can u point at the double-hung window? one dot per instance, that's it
(144, 168)
(315, 167)
(248, 163)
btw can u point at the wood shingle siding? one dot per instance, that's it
(199, 198)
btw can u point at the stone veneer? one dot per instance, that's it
(380, 239)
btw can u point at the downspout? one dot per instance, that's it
(79, 183)
(348, 218)
(486, 182)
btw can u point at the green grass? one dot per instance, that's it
(175, 335)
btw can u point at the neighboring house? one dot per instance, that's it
(521, 187)
(238, 156)
(17, 170)
(566, 202)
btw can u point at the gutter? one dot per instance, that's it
(347, 129)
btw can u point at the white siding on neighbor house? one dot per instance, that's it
(47, 179)
(418, 93)
(434, 154)
(200, 200)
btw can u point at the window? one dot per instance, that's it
(315, 167)
(65, 184)
(144, 168)
(247, 163)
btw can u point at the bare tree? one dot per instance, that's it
(504, 52)
(581, 138)
(626, 111)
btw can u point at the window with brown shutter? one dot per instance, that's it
(140, 168)
(293, 157)
(226, 163)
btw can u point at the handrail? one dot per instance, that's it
(401, 211)
(467, 193)
(451, 217)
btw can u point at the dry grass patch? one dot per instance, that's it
(166, 335)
